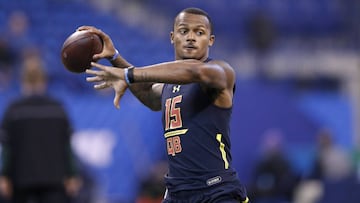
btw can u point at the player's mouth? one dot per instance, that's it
(190, 47)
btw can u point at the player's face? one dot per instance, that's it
(191, 37)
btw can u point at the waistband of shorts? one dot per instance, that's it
(197, 183)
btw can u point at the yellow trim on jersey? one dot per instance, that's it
(246, 200)
(175, 132)
(222, 150)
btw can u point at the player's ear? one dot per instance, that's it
(172, 37)
(211, 40)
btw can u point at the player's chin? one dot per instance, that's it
(190, 56)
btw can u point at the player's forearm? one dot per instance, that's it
(175, 72)
(170, 72)
(120, 62)
(182, 72)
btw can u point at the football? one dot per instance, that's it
(78, 50)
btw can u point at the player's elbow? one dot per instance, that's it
(155, 107)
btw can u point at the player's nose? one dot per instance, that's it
(190, 36)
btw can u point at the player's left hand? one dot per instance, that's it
(106, 77)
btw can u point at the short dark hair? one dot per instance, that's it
(198, 11)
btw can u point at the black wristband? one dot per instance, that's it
(130, 74)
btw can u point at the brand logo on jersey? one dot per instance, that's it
(176, 88)
(214, 180)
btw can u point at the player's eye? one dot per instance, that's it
(199, 33)
(183, 31)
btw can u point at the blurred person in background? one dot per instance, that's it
(328, 154)
(332, 177)
(18, 30)
(7, 63)
(37, 162)
(152, 187)
(334, 171)
(325, 144)
(15, 39)
(274, 178)
(195, 94)
(262, 37)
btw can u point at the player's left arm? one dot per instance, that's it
(216, 76)
(213, 75)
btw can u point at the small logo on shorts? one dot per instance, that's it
(214, 180)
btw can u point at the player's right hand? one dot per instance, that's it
(108, 47)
